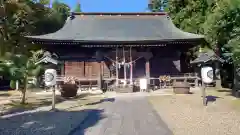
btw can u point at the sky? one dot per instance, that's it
(110, 5)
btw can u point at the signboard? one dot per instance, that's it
(50, 77)
(207, 74)
(143, 84)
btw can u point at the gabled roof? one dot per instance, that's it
(118, 27)
(47, 59)
(207, 57)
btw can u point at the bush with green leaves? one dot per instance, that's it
(18, 67)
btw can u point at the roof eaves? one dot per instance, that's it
(120, 13)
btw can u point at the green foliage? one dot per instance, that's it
(21, 18)
(222, 28)
(155, 5)
(28, 17)
(13, 84)
(218, 20)
(77, 8)
(44, 2)
(19, 66)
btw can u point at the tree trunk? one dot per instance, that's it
(23, 100)
(218, 79)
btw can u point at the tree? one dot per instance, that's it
(222, 28)
(19, 67)
(22, 18)
(27, 17)
(218, 20)
(78, 7)
(158, 5)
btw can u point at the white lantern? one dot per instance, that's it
(207, 74)
(50, 77)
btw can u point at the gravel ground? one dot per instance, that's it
(41, 121)
(185, 115)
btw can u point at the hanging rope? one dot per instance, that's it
(123, 62)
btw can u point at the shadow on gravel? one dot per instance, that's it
(50, 123)
(211, 98)
(102, 100)
(15, 106)
(4, 95)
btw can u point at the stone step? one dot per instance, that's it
(124, 90)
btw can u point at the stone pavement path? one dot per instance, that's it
(124, 116)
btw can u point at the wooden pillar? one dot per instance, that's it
(100, 75)
(102, 69)
(116, 67)
(131, 68)
(124, 68)
(147, 72)
(62, 68)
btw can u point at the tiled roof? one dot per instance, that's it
(118, 27)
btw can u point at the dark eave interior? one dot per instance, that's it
(118, 28)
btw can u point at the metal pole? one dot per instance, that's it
(116, 67)
(131, 67)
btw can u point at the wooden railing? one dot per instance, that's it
(155, 83)
(191, 78)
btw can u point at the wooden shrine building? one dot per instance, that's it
(119, 47)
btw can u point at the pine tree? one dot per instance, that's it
(78, 7)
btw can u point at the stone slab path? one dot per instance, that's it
(124, 116)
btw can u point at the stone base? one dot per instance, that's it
(181, 90)
(124, 90)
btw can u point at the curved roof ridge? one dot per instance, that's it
(181, 31)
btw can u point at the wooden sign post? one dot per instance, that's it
(50, 77)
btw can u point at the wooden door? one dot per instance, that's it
(92, 69)
(75, 69)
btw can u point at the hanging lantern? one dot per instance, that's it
(207, 74)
